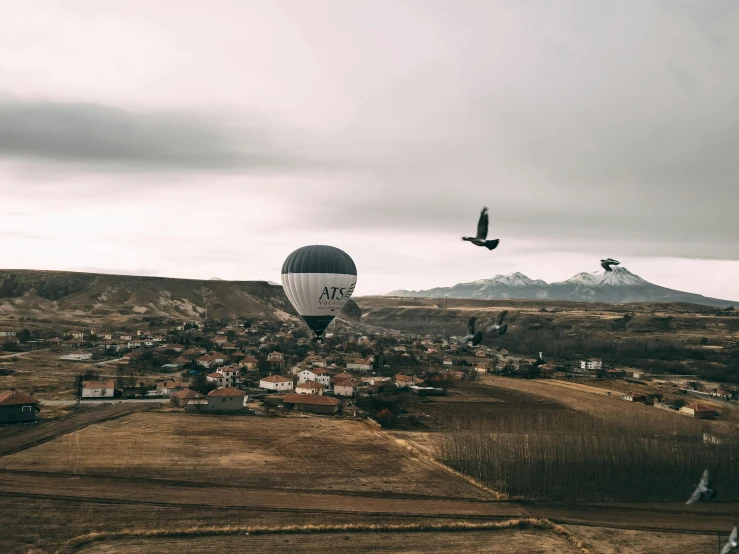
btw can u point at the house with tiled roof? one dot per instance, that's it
(342, 376)
(310, 387)
(17, 406)
(226, 399)
(312, 403)
(225, 376)
(276, 383)
(250, 363)
(316, 374)
(98, 389)
(183, 397)
(345, 387)
(210, 360)
(170, 386)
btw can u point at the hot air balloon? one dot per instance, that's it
(318, 280)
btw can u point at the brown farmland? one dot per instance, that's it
(265, 453)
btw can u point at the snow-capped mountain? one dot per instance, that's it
(617, 286)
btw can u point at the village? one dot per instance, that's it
(262, 367)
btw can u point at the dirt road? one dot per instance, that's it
(652, 516)
(19, 437)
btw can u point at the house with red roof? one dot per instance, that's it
(276, 383)
(226, 399)
(17, 406)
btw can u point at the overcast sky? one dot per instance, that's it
(210, 139)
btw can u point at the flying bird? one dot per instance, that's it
(702, 490)
(475, 338)
(498, 325)
(732, 543)
(482, 233)
(607, 263)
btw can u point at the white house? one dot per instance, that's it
(276, 383)
(591, 364)
(226, 398)
(7, 333)
(318, 375)
(98, 389)
(345, 387)
(225, 377)
(148, 342)
(134, 343)
(359, 365)
(77, 357)
(447, 361)
(78, 335)
(309, 387)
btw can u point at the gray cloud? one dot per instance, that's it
(105, 137)
(581, 124)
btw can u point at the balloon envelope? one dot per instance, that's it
(319, 280)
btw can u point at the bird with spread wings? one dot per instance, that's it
(482, 233)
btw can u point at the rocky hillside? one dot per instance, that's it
(88, 297)
(618, 286)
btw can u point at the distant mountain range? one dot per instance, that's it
(618, 286)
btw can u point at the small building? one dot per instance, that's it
(591, 365)
(170, 386)
(345, 387)
(276, 360)
(699, 411)
(341, 377)
(360, 365)
(183, 397)
(447, 361)
(17, 407)
(319, 375)
(634, 397)
(226, 399)
(174, 348)
(77, 357)
(98, 389)
(225, 377)
(276, 383)
(312, 403)
(249, 362)
(403, 381)
(310, 387)
(211, 360)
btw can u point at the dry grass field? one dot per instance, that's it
(605, 540)
(602, 540)
(311, 454)
(64, 519)
(501, 542)
(611, 409)
(44, 375)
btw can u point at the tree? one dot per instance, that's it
(386, 418)
(24, 335)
